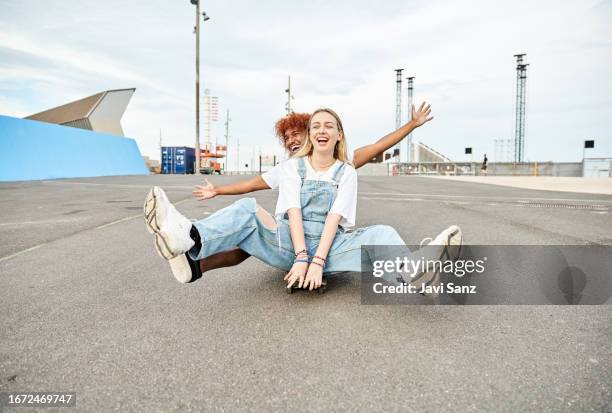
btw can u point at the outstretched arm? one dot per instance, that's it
(210, 191)
(362, 155)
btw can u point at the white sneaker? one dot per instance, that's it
(150, 218)
(184, 269)
(452, 241)
(170, 227)
(149, 212)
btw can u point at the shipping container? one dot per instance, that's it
(177, 160)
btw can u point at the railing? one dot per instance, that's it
(232, 173)
(597, 167)
(495, 168)
(433, 168)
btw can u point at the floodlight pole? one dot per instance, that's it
(197, 33)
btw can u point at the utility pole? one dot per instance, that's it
(197, 33)
(519, 130)
(409, 139)
(398, 109)
(237, 155)
(289, 97)
(227, 121)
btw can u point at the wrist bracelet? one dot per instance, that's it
(321, 258)
(301, 260)
(317, 263)
(304, 251)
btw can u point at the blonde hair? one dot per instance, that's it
(340, 151)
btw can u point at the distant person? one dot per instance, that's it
(484, 164)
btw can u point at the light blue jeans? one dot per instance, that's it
(238, 225)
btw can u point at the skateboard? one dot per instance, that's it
(319, 290)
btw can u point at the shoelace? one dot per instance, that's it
(428, 239)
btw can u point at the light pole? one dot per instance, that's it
(227, 121)
(289, 97)
(587, 145)
(197, 33)
(409, 139)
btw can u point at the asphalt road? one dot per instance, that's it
(88, 306)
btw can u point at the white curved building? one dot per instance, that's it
(101, 112)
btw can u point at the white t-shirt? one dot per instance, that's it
(290, 184)
(272, 176)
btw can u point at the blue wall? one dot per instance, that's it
(32, 150)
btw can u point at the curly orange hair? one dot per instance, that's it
(297, 121)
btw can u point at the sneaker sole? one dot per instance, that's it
(182, 268)
(150, 218)
(149, 213)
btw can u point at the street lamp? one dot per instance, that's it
(197, 33)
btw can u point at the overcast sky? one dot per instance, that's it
(340, 54)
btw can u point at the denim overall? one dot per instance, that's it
(238, 225)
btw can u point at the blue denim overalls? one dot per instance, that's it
(238, 225)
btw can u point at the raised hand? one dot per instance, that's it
(421, 116)
(204, 192)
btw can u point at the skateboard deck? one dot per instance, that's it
(319, 290)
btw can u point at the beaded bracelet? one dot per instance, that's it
(317, 263)
(304, 251)
(321, 258)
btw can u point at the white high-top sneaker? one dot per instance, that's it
(451, 241)
(184, 268)
(170, 227)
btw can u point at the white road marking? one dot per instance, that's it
(44, 221)
(133, 216)
(118, 221)
(99, 227)
(391, 199)
(514, 198)
(116, 185)
(361, 193)
(8, 257)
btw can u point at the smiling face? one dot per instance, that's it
(291, 131)
(325, 135)
(292, 140)
(324, 132)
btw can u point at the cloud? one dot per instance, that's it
(339, 54)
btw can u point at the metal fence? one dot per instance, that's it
(597, 167)
(590, 167)
(495, 168)
(433, 168)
